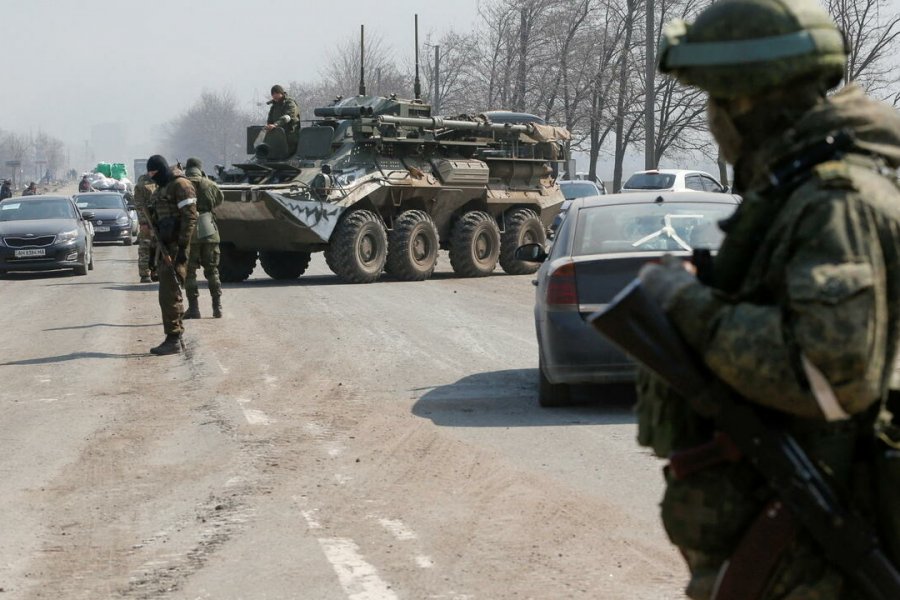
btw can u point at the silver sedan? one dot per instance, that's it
(601, 245)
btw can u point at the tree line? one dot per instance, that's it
(31, 156)
(588, 65)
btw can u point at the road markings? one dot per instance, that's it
(397, 529)
(359, 579)
(310, 516)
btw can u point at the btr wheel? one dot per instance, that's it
(357, 251)
(475, 245)
(522, 227)
(413, 247)
(235, 265)
(284, 265)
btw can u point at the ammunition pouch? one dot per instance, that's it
(206, 226)
(666, 421)
(168, 228)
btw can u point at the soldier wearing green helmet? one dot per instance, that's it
(800, 312)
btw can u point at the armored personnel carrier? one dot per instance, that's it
(380, 185)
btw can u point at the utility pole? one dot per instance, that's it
(436, 101)
(650, 93)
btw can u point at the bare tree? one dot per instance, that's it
(453, 94)
(212, 129)
(382, 75)
(623, 105)
(872, 31)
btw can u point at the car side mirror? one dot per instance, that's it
(87, 214)
(531, 253)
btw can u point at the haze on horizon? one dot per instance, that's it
(77, 65)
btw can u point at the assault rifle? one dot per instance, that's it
(635, 323)
(161, 248)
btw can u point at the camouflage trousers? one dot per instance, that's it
(146, 262)
(170, 297)
(706, 516)
(205, 254)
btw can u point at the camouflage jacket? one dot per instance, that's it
(823, 283)
(176, 202)
(286, 107)
(143, 191)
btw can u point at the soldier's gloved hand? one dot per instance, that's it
(663, 281)
(181, 258)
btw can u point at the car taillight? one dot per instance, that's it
(561, 289)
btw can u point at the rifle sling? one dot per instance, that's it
(747, 573)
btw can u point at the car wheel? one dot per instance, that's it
(552, 395)
(91, 261)
(82, 269)
(128, 240)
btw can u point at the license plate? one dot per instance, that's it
(30, 252)
(101, 228)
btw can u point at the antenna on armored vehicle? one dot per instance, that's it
(417, 87)
(362, 60)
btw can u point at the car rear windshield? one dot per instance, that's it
(36, 209)
(650, 181)
(650, 226)
(99, 201)
(577, 190)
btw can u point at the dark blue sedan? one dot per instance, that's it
(600, 246)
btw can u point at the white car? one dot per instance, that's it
(673, 180)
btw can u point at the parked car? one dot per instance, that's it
(600, 247)
(573, 189)
(114, 219)
(40, 233)
(673, 180)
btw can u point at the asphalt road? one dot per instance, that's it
(322, 440)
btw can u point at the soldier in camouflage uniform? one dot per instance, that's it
(283, 111)
(801, 311)
(173, 210)
(143, 191)
(205, 243)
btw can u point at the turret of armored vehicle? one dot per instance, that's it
(380, 185)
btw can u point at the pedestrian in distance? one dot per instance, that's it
(6, 189)
(85, 185)
(204, 250)
(31, 190)
(799, 314)
(172, 217)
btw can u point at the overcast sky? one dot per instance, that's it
(71, 64)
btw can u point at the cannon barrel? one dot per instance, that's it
(441, 123)
(343, 112)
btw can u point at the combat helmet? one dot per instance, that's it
(745, 47)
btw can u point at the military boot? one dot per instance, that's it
(217, 307)
(193, 311)
(154, 276)
(171, 345)
(145, 279)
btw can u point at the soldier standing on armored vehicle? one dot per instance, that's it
(204, 249)
(799, 314)
(173, 214)
(143, 191)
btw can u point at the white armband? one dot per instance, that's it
(186, 202)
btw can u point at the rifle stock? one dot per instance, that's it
(636, 324)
